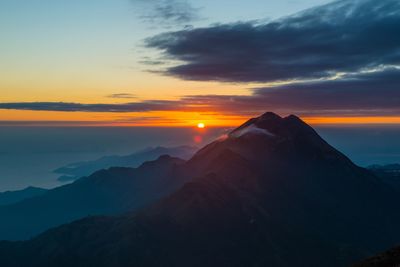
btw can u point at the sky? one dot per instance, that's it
(178, 62)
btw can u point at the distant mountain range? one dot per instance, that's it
(11, 197)
(106, 192)
(270, 193)
(77, 170)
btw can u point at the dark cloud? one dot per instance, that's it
(371, 93)
(122, 95)
(49, 123)
(73, 107)
(165, 13)
(344, 36)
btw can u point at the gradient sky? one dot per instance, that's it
(157, 62)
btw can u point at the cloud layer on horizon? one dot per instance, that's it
(365, 94)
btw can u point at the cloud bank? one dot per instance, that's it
(75, 107)
(362, 94)
(344, 36)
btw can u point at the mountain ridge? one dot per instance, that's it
(105, 192)
(74, 171)
(254, 199)
(11, 197)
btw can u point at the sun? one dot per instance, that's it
(201, 125)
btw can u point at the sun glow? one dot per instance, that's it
(198, 120)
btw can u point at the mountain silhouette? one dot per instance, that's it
(270, 193)
(106, 192)
(11, 197)
(74, 171)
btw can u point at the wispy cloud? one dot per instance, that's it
(166, 13)
(74, 107)
(122, 95)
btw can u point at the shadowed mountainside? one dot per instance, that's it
(389, 174)
(271, 193)
(390, 258)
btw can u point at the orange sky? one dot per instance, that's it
(87, 59)
(164, 118)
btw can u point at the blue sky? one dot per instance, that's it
(105, 32)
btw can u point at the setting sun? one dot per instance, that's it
(201, 125)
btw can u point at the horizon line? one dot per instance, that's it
(312, 120)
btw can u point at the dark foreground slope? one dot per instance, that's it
(106, 192)
(389, 174)
(271, 193)
(389, 258)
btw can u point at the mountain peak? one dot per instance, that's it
(270, 115)
(267, 118)
(293, 117)
(273, 124)
(266, 136)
